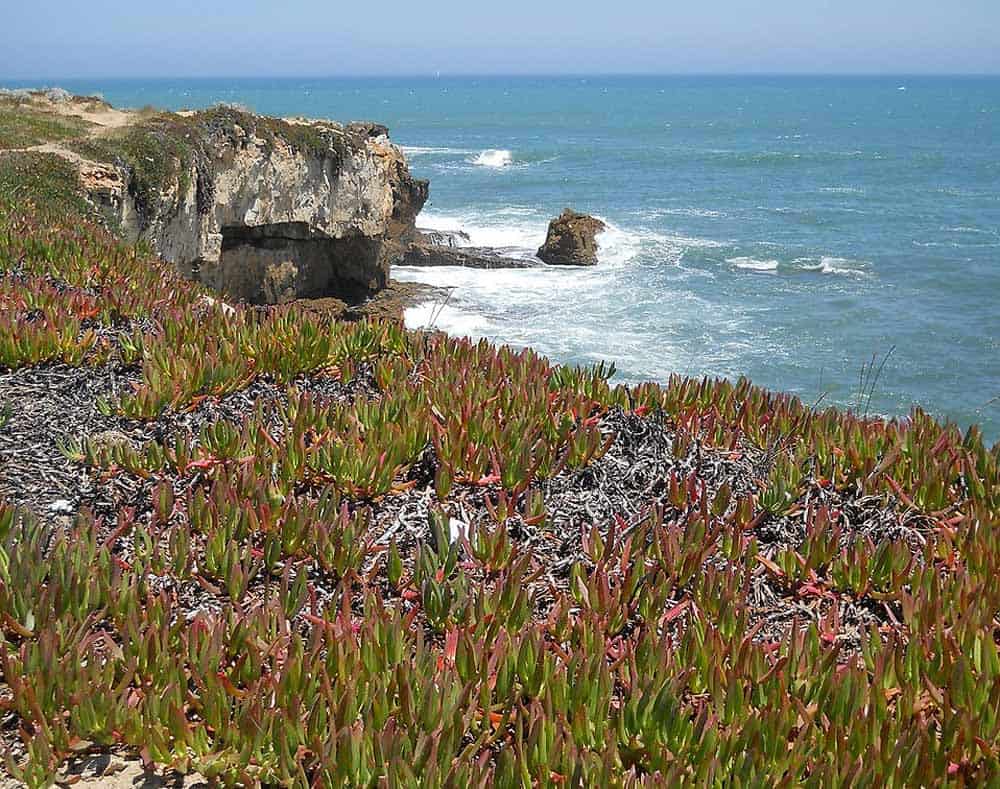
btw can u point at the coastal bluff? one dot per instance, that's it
(261, 209)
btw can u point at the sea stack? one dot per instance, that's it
(571, 240)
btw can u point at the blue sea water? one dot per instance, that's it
(783, 228)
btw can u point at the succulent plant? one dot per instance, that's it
(254, 614)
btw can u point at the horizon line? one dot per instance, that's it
(510, 75)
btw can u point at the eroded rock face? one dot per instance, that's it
(260, 216)
(571, 240)
(274, 264)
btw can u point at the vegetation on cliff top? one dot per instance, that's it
(23, 125)
(162, 149)
(159, 150)
(314, 553)
(32, 178)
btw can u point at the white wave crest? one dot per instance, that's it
(422, 150)
(820, 265)
(616, 247)
(831, 265)
(977, 230)
(698, 213)
(752, 264)
(496, 159)
(515, 230)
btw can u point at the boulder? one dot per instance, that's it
(571, 240)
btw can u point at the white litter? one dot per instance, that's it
(457, 529)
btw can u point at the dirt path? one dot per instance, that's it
(92, 110)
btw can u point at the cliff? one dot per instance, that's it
(262, 209)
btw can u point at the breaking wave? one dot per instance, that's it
(496, 159)
(421, 150)
(752, 264)
(820, 265)
(518, 231)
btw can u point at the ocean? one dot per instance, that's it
(788, 229)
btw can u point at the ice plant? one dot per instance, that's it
(275, 594)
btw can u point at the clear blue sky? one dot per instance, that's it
(43, 39)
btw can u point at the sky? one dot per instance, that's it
(48, 39)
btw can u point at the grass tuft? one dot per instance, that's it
(23, 127)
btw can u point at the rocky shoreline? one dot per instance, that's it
(273, 211)
(262, 210)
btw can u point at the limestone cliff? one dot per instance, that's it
(259, 208)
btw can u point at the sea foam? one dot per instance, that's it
(515, 230)
(423, 150)
(752, 264)
(518, 231)
(831, 265)
(495, 159)
(821, 265)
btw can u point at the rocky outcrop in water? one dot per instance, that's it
(571, 240)
(258, 208)
(446, 248)
(444, 238)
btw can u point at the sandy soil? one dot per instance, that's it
(115, 771)
(93, 110)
